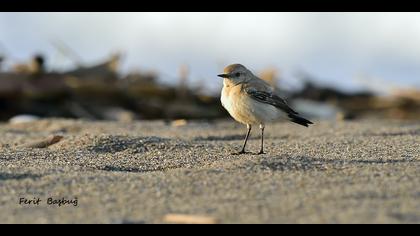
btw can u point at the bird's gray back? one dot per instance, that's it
(261, 91)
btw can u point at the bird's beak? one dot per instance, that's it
(223, 75)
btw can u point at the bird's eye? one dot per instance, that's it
(237, 74)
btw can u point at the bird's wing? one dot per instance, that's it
(264, 95)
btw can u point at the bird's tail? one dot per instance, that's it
(299, 120)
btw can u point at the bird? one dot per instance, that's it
(252, 101)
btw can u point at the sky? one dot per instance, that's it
(346, 50)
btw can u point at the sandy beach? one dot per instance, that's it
(107, 172)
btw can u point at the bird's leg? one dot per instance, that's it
(246, 139)
(262, 139)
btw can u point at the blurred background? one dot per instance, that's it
(133, 66)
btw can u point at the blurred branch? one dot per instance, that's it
(66, 51)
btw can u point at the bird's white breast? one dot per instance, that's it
(226, 102)
(247, 110)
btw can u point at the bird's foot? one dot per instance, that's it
(261, 152)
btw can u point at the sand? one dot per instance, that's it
(333, 172)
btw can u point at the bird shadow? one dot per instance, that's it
(306, 163)
(232, 138)
(222, 138)
(7, 176)
(129, 169)
(414, 132)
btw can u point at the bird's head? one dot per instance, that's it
(236, 73)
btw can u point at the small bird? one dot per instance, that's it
(252, 101)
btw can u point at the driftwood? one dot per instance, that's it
(188, 219)
(43, 143)
(106, 70)
(179, 122)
